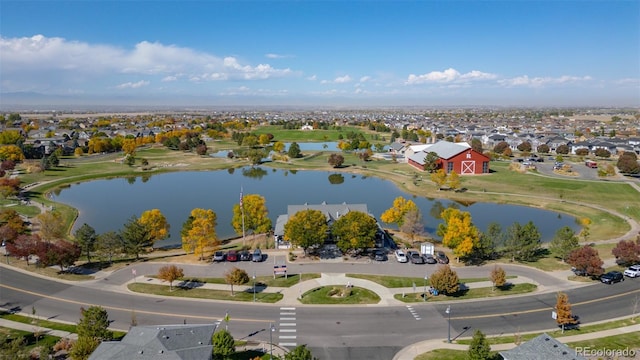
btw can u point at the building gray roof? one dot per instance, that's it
(542, 347)
(163, 342)
(331, 211)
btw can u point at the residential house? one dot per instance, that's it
(542, 347)
(162, 342)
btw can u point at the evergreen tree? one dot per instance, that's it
(86, 239)
(564, 242)
(223, 345)
(479, 348)
(300, 352)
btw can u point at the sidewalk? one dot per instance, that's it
(33, 328)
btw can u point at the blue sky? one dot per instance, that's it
(342, 53)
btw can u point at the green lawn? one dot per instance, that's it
(400, 282)
(485, 292)
(279, 281)
(211, 294)
(337, 294)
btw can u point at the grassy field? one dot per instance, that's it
(400, 282)
(336, 295)
(279, 281)
(477, 293)
(205, 293)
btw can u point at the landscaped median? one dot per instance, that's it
(339, 294)
(266, 289)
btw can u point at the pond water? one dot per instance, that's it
(107, 204)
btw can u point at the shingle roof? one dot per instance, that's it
(165, 342)
(542, 347)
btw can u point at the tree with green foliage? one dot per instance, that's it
(83, 348)
(135, 237)
(236, 276)
(354, 231)
(108, 244)
(300, 352)
(562, 149)
(523, 242)
(294, 150)
(223, 345)
(431, 161)
(543, 148)
(564, 242)
(85, 237)
(476, 144)
(306, 228)
(92, 329)
(479, 348)
(445, 280)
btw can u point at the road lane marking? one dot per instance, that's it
(288, 344)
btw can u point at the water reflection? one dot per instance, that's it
(120, 198)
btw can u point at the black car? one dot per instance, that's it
(612, 277)
(379, 255)
(416, 258)
(245, 255)
(442, 257)
(429, 259)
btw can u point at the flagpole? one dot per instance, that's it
(242, 212)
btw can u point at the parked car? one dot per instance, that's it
(442, 257)
(416, 258)
(257, 255)
(612, 277)
(232, 255)
(401, 256)
(579, 272)
(244, 255)
(218, 256)
(429, 259)
(632, 271)
(379, 255)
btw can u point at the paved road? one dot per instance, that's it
(354, 332)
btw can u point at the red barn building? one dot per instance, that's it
(458, 157)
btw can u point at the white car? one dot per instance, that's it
(401, 256)
(633, 271)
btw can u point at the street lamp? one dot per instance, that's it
(272, 329)
(254, 286)
(424, 294)
(448, 311)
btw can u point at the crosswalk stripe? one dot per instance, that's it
(287, 344)
(287, 319)
(287, 337)
(287, 330)
(287, 324)
(287, 313)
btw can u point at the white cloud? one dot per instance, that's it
(25, 58)
(342, 79)
(447, 76)
(365, 79)
(538, 82)
(133, 85)
(277, 56)
(312, 78)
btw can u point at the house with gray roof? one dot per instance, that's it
(161, 342)
(542, 347)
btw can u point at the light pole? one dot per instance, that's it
(424, 294)
(448, 311)
(272, 329)
(254, 286)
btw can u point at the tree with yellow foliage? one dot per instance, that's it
(584, 233)
(11, 152)
(129, 146)
(396, 213)
(157, 224)
(439, 177)
(199, 232)
(256, 215)
(458, 232)
(454, 180)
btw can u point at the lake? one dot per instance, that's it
(107, 204)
